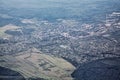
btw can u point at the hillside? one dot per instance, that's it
(37, 65)
(103, 69)
(13, 75)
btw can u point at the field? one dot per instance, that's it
(36, 65)
(5, 28)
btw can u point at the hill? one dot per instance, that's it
(36, 65)
(103, 69)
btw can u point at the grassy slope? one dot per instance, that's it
(38, 65)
